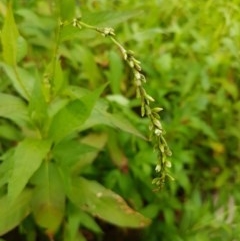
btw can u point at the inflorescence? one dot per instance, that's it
(155, 126)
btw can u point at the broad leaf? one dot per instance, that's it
(70, 118)
(105, 204)
(27, 158)
(12, 213)
(49, 199)
(13, 108)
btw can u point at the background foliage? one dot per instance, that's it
(190, 55)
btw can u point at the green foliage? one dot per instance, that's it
(41, 172)
(73, 150)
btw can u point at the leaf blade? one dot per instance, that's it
(13, 108)
(71, 117)
(9, 38)
(105, 204)
(11, 214)
(27, 159)
(49, 198)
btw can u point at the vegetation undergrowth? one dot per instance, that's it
(75, 162)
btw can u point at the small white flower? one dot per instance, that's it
(168, 164)
(158, 132)
(99, 194)
(158, 168)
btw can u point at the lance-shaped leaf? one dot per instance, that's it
(100, 116)
(49, 199)
(12, 213)
(9, 38)
(22, 80)
(37, 105)
(105, 204)
(71, 117)
(27, 159)
(13, 108)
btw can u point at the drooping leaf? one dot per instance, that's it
(100, 116)
(71, 117)
(12, 213)
(105, 204)
(9, 38)
(49, 198)
(13, 108)
(27, 158)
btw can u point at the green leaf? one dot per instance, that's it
(12, 213)
(96, 141)
(9, 38)
(48, 198)
(105, 204)
(6, 167)
(71, 228)
(37, 104)
(21, 79)
(58, 79)
(89, 66)
(202, 126)
(13, 108)
(100, 116)
(115, 73)
(27, 158)
(108, 18)
(67, 9)
(70, 118)
(69, 152)
(88, 222)
(9, 132)
(21, 48)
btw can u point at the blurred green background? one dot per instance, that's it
(190, 54)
